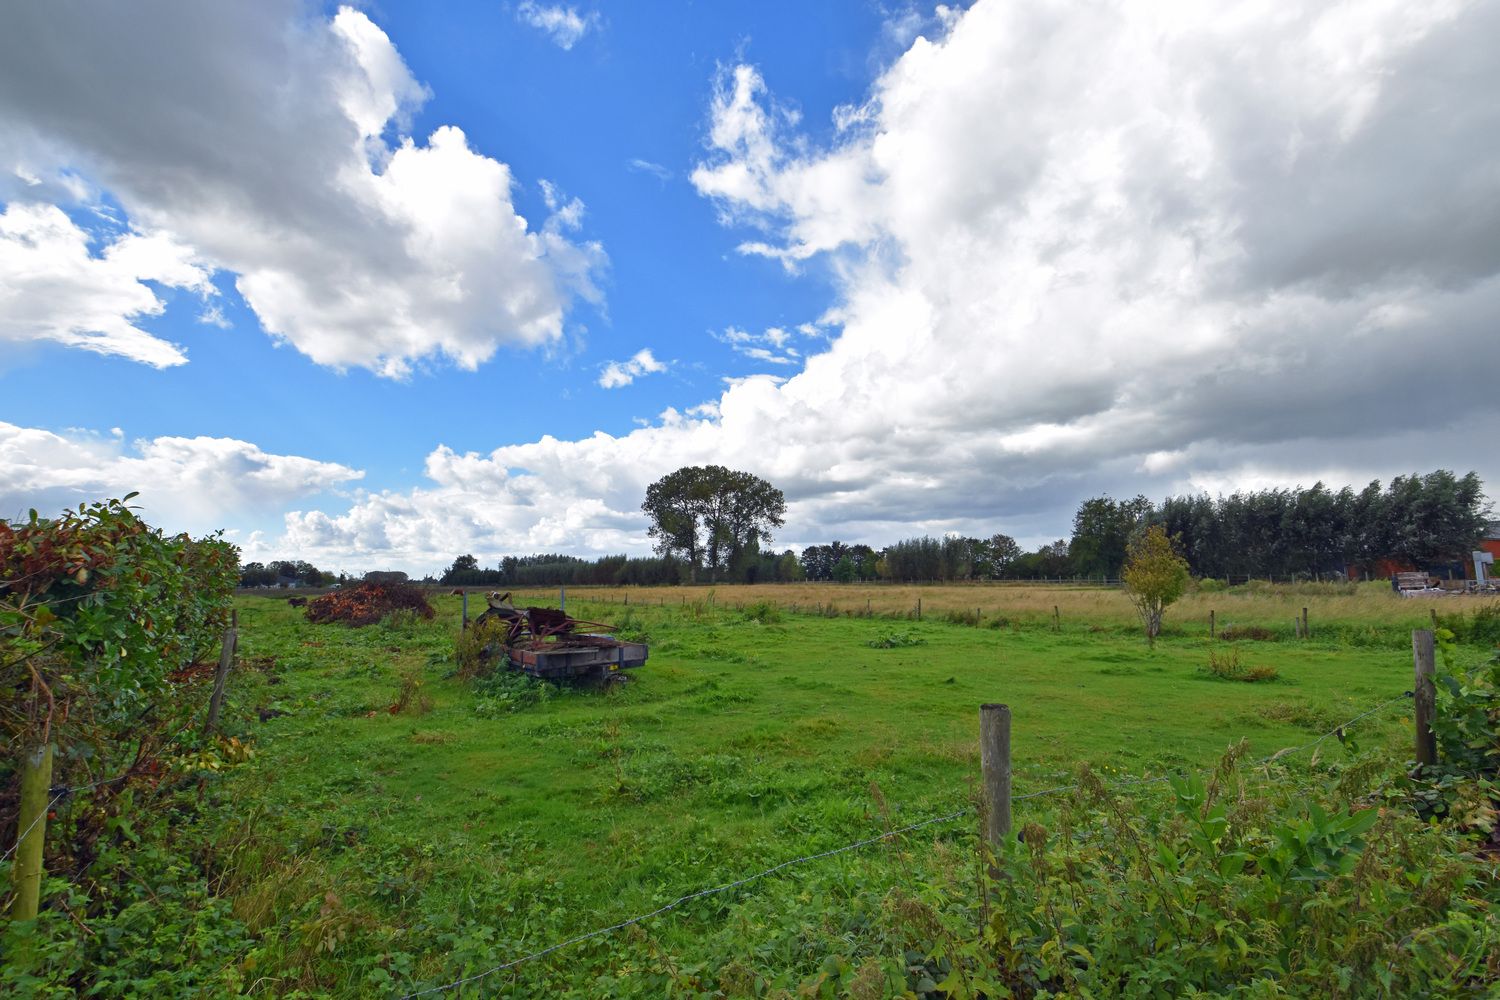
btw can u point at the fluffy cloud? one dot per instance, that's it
(53, 288)
(185, 484)
(617, 373)
(272, 144)
(1112, 247)
(564, 25)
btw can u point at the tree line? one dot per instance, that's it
(710, 524)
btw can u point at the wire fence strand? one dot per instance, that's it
(932, 821)
(57, 797)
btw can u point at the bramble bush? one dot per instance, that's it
(100, 615)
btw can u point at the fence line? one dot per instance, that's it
(932, 821)
(58, 796)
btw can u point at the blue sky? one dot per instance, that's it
(629, 95)
(926, 268)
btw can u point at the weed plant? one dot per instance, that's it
(1225, 665)
(896, 640)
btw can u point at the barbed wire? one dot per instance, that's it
(933, 821)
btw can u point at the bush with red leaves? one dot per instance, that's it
(367, 604)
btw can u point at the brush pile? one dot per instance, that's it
(367, 604)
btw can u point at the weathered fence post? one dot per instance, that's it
(1432, 613)
(919, 609)
(466, 609)
(994, 763)
(1424, 695)
(226, 660)
(31, 831)
(562, 598)
(1056, 619)
(1306, 631)
(1210, 623)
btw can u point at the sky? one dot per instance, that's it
(378, 285)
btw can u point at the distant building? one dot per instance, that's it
(1489, 543)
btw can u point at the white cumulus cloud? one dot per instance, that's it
(53, 287)
(195, 484)
(617, 373)
(274, 145)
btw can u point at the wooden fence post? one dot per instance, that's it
(1425, 695)
(919, 609)
(1306, 632)
(466, 609)
(562, 598)
(994, 763)
(226, 660)
(1056, 619)
(1432, 613)
(31, 831)
(1210, 623)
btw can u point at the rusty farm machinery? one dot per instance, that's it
(549, 644)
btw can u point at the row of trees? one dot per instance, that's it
(710, 524)
(1425, 521)
(283, 572)
(552, 569)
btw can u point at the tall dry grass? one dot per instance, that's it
(1364, 605)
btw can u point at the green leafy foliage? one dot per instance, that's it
(97, 610)
(1464, 784)
(1225, 891)
(1155, 576)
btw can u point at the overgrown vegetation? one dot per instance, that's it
(1225, 665)
(102, 621)
(336, 849)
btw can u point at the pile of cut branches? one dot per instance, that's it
(367, 604)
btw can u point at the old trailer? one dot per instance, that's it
(547, 643)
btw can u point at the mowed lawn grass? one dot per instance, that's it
(740, 744)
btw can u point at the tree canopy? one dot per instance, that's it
(712, 516)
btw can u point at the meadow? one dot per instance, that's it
(397, 828)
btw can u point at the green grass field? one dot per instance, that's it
(371, 849)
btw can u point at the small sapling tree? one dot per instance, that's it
(1155, 576)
